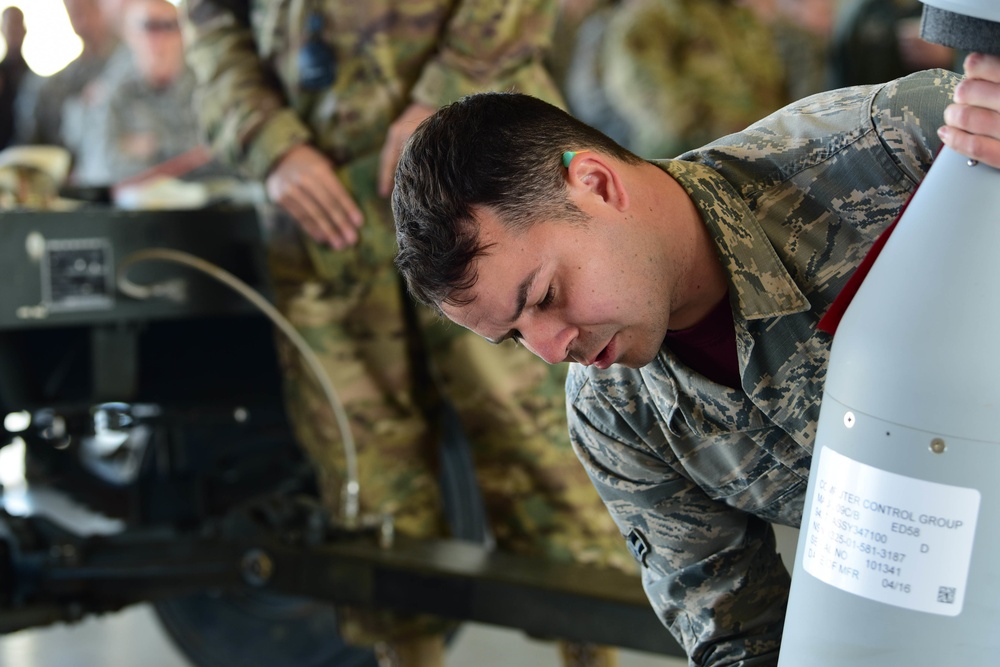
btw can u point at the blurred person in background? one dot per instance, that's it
(145, 115)
(879, 40)
(803, 30)
(12, 70)
(44, 101)
(571, 17)
(665, 76)
(582, 68)
(316, 99)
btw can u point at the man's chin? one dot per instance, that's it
(638, 358)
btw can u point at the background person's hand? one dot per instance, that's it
(973, 121)
(303, 182)
(398, 133)
(918, 54)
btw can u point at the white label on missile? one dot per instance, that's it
(893, 539)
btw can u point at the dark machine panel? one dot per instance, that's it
(60, 266)
(78, 274)
(196, 378)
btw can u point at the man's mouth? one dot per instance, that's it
(606, 357)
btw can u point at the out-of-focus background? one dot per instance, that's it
(50, 49)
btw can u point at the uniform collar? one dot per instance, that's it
(762, 285)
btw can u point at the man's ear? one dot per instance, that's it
(591, 174)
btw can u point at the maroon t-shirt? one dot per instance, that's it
(709, 347)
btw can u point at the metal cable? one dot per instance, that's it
(174, 290)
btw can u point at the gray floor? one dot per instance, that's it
(132, 638)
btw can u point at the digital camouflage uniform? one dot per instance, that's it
(693, 471)
(350, 304)
(136, 127)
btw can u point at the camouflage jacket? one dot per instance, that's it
(683, 72)
(384, 55)
(694, 472)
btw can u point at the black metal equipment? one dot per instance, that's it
(167, 415)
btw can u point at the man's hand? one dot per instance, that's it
(973, 121)
(399, 132)
(303, 183)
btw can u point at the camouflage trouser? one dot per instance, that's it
(389, 369)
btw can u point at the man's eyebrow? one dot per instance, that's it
(522, 300)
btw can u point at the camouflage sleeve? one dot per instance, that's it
(906, 114)
(491, 45)
(242, 111)
(712, 573)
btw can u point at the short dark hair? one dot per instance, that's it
(501, 151)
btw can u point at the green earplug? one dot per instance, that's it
(569, 155)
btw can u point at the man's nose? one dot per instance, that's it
(549, 339)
